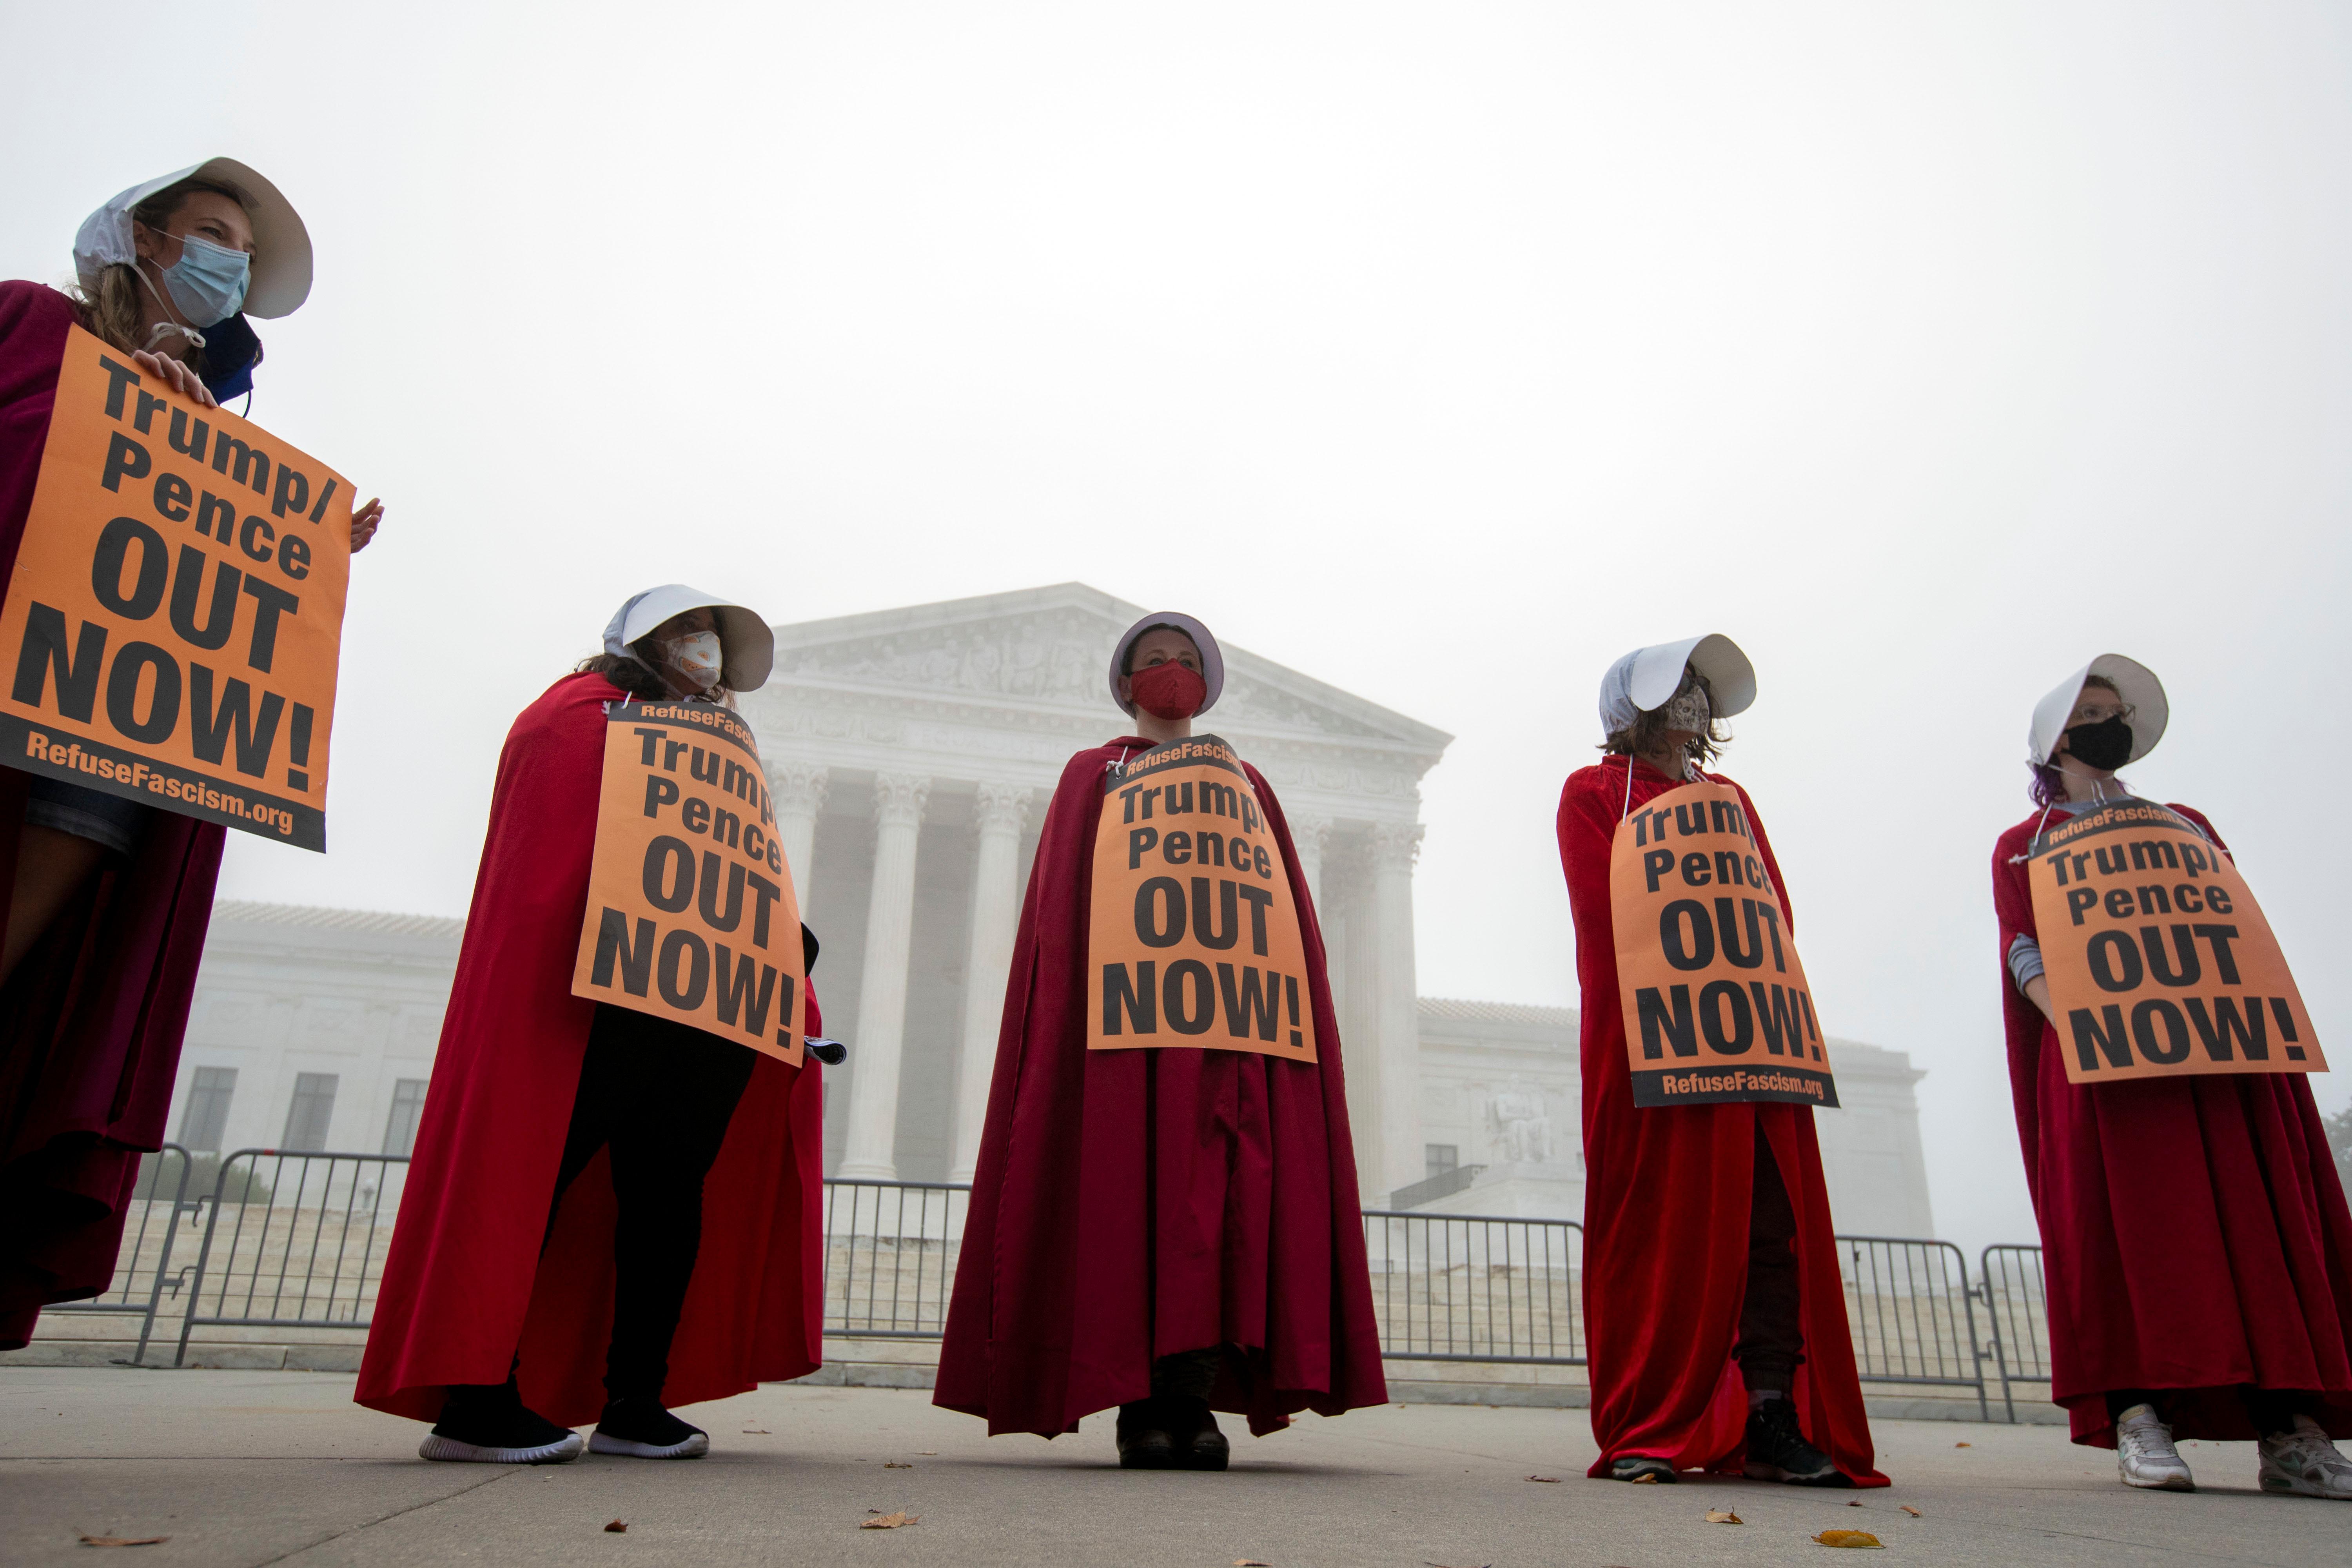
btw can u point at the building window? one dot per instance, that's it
(204, 1118)
(1440, 1159)
(407, 1105)
(313, 1109)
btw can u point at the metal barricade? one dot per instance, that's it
(1476, 1287)
(2010, 1284)
(1912, 1313)
(293, 1240)
(162, 1179)
(890, 1251)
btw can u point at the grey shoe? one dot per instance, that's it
(2303, 1463)
(2145, 1455)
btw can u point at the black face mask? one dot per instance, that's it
(2105, 746)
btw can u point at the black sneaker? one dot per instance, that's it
(1144, 1443)
(1776, 1451)
(1642, 1467)
(493, 1427)
(1192, 1434)
(643, 1430)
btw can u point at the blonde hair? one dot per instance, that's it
(112, 307)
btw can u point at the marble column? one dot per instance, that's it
(1394, 847)
(1000, 810)
(1358, 1001)
(798, 790)
(1307, 836)
(874, 1054)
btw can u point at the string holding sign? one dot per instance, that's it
(1716, 1004)
(2160, 961)
(162, 641)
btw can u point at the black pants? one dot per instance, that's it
(659, 1095)
(1771, 1328)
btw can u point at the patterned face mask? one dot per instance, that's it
(1689, 712)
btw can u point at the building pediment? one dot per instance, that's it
(1046, 649)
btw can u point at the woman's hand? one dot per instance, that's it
(363, 523)
(177, 376)
(2037, 991)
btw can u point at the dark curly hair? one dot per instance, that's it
(1647, 733)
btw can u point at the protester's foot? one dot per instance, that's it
(1642, 1467)
(1144, 1442)
(1777, 1450)
(2304, 1462)
(1193, 1433)
(495, 1428)
(2145, 1455)
(642, 1429)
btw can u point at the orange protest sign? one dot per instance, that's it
(2158, 960)
(690, 912)
(1194, 937)
(172, 625)
(1717, 1005)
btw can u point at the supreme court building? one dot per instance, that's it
(911, 754)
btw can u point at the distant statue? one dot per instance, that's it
(1525, 1131)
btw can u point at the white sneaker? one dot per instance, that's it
(2304, 1462)
(2145, 1455)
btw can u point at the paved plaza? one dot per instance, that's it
(251, 1468)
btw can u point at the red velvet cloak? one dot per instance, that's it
(1131, 1205)
(2194, 1235)
(1667, 1198)
(465, 1282)
(91, 1022)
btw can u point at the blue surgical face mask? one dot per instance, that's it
(208, 281)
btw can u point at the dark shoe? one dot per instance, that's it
(493, 1427)
(1192, 1434)
(1642, 1467)
(1144, 1443)
(1776, 1451)
(642, 1429)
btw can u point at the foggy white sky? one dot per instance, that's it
(1441, 352)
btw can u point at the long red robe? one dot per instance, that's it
(91, 1022)
(465, 1283)
(2194, 1236)
(1131, 1205)
(1667, 1198)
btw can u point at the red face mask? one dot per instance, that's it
(1168, 691)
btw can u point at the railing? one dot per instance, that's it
(1477, 1287)
(2010, 1284)
(308, 1252)
(163, 1172)
(889, 1257)
(298, 1241)
(1909, 1305)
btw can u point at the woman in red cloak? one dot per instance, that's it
(594, 1190)
(1713, 1305)
(2197, 1253)
(1169, 1231)
(109, 899)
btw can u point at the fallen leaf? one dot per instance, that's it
(1548, 1480)
(891, 1521)
(927, 1453)
(616, 1527)
(1964, 1444)
(1853, 1505)
(1645, 1480)
(1250, 1563)
(1861, 1538)
(1906, 1508)
(122, 1539)
(896, 1464)
(1723, 1516)
(757, 1432)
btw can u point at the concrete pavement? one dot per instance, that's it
(248, 1468)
